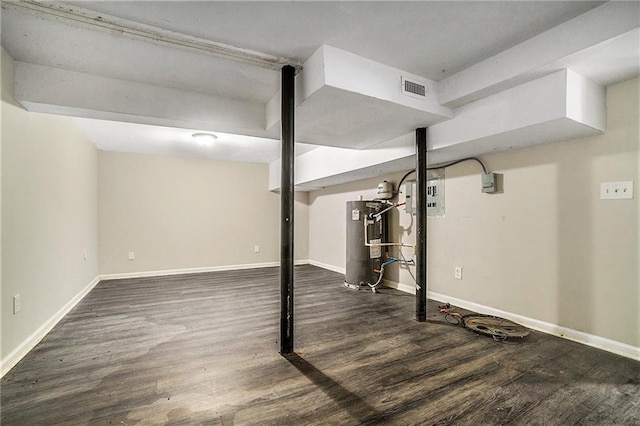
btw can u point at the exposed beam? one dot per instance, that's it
(286, 210)
(85, 18)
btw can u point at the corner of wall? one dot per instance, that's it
(49, 220)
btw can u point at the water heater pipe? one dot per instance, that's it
(380, 213)
(367, 244)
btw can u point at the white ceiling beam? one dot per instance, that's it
(560, 106)
(325, 165)
(541, 54)
(57, 91)
(79, 17)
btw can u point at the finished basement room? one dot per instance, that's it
(320, 213)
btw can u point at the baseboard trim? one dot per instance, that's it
(30, 342)
(327, 266)
(167, 272)
(399, 286)
(10, 361)
(592, 340)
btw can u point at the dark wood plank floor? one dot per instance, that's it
(203, 349)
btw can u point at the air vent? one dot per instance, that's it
(413, 88)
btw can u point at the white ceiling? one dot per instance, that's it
(429, 39)
(146, 139)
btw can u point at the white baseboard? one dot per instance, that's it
(30, 342)
(327, 266)
(592, 340)
(183, 271)
(399, 286)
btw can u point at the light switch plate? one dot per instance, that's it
(616, 190)
(16, 304)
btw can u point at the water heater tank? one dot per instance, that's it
(362, 261)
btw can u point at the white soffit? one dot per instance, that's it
(328, 165)
(53, 90)
(560, 106)
(609, 62)
(602, 44)
(345, 100)
(46, 41)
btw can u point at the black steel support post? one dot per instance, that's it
(286, 210)
(421, 224)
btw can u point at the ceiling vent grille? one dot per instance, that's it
(413, 88)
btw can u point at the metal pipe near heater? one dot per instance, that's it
(286, 209)
(421, 224)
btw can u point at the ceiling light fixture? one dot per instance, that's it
(204, 137)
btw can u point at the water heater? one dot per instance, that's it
(362, 260)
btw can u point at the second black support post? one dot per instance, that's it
(286, 209)
(421, 224)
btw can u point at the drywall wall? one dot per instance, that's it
(49, 217)
(183, 213)
(546, 248)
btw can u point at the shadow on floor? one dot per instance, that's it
(357, 408)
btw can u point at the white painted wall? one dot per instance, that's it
(547, 248)
(182, 213)
(60, 194)
(49, 217)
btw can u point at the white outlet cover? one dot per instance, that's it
(616, 190)
(458, 272)
(16, 304)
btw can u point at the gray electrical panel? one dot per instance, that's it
(435, 194)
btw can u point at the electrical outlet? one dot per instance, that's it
(458, 272)
(256, 249)
(132, 255)
(16, 304)
(85, 256)
(616, 190)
